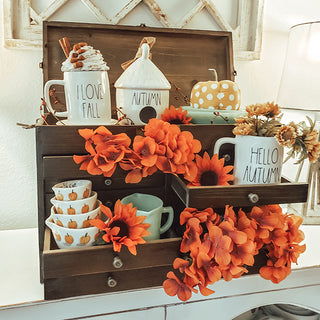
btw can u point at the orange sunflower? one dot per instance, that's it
(211, 172)
(124, 227)
(175, 116)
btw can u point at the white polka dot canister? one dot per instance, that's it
(142, 91)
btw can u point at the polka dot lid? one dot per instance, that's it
(222, 95)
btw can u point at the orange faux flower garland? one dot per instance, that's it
(224, 248)
(163, 147)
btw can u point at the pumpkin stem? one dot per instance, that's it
(214, 74)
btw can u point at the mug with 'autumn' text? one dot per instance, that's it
(258, 160)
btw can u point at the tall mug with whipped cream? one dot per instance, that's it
(86, 87)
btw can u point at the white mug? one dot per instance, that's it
(87, 97)
(258, 160)
(151, 207)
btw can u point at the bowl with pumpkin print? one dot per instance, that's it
(75, 221)
(72, 238)
(75, 206)
(72, 190)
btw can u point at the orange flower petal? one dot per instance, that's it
(98, 223)
(103, 130)
(79, 159)
(205, 291)
(171, 287)
(184, 293)
(134, 176)
(86, 133)
(106, 210)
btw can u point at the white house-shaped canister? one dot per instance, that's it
(142, 91)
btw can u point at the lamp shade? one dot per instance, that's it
(300, 82)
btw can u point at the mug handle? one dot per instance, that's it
(168, 224)
(220, 142)
(47, 97)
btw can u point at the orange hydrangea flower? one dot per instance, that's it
(102, 136)
(243, 248)
(175, 150)
(87, 134)
(124, 227)
(230, 245)
(87, 162)
(247, 225)
(157, 129)
(294, 222)
(204, 266)
(202, 215)
(174, 286)
(105, 151)
(232, 271)
(221, 246)
(267, 217)
(175, 116)
(191, 237)
(211, 172)
(273, 273)
(145, 147)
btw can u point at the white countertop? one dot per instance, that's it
(20, 281)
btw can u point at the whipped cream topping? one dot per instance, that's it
(85, 58)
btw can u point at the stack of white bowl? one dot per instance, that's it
(74, 204)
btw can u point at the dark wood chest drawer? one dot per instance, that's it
(105, 282)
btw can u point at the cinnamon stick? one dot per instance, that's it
(65, 45)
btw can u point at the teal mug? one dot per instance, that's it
(151, 207)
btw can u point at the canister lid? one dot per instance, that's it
(143, 74)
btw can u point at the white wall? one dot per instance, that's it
(20, 93)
